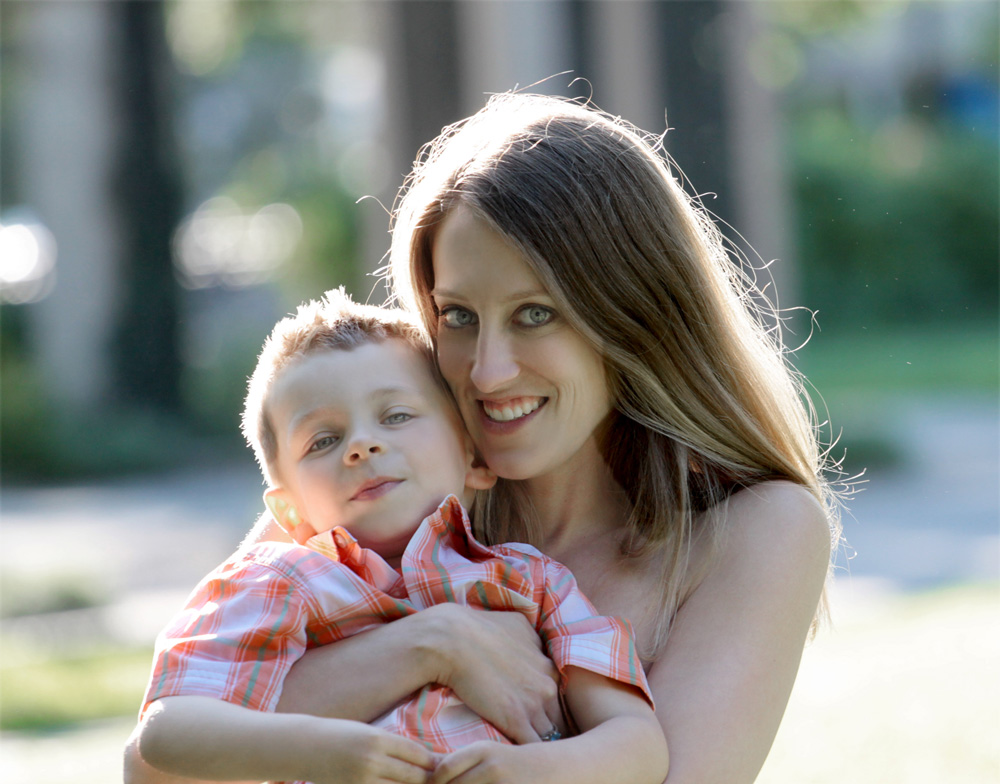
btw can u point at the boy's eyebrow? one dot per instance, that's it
(319, 412)
(396, 390)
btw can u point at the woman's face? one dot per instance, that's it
(532, 391)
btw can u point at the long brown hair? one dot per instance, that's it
(705, 400)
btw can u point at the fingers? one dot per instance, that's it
(451, 768)
(400, 772)
(523, 730)
(373, 756)
(516, 626)
(502, 655)
(411, 754)
(551, 703)
(547, 715)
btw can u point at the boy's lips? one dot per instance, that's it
(375, 488)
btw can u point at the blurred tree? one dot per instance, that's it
(693, 66)
(148, 191)
(428, 53)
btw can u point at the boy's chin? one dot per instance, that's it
(389, 545)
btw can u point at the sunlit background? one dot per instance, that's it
(178, 175)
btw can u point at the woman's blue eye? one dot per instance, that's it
(534, 315)
(455, 317)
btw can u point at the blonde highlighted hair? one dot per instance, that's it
(333, 322)
(705, 401)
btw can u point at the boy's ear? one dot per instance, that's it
(478, 476)
(278, 501)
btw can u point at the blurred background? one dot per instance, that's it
(176, 176)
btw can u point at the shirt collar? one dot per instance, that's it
(449, 521)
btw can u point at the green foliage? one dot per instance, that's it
(33, 593)
(859, 375)
(899, 224)
(866, 363)
(41, 442)
(328, 253)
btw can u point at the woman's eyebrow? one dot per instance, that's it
(514, 296)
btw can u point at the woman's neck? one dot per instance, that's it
(577, 503)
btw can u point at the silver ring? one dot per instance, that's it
(552, 734)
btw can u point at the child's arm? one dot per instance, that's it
(212, 739)
(621, 742)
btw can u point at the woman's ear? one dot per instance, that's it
(287, 516)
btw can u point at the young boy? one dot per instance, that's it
(364, 452)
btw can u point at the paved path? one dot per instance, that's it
(934, 519)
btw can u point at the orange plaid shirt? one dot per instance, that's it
(253, 617)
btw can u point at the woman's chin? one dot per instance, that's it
(513, 466)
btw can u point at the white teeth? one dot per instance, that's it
(510, 413)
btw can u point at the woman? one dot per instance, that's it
(605, 355)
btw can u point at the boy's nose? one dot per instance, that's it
(362, 447)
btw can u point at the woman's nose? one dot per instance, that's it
(494, 363)
(362, 446)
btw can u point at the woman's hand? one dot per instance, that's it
(494, 663)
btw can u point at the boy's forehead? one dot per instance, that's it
(385, 367)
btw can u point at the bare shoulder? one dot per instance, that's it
(723, 678)
(778, 514)
(775, 543)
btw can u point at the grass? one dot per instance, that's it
(903, 690)
(43, 692)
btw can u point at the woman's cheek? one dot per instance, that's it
(449, 362)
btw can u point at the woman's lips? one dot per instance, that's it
(505, 416)
(375, 488)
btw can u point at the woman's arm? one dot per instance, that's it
(492, 660)
(726, 672)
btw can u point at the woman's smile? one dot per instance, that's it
(511, 410)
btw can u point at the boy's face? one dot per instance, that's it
(367, 440)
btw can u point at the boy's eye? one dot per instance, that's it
(322, 443)
(534, 316)
(397, 418)
(455, 317)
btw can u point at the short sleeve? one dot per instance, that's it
(575, 635)
(236, 639)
